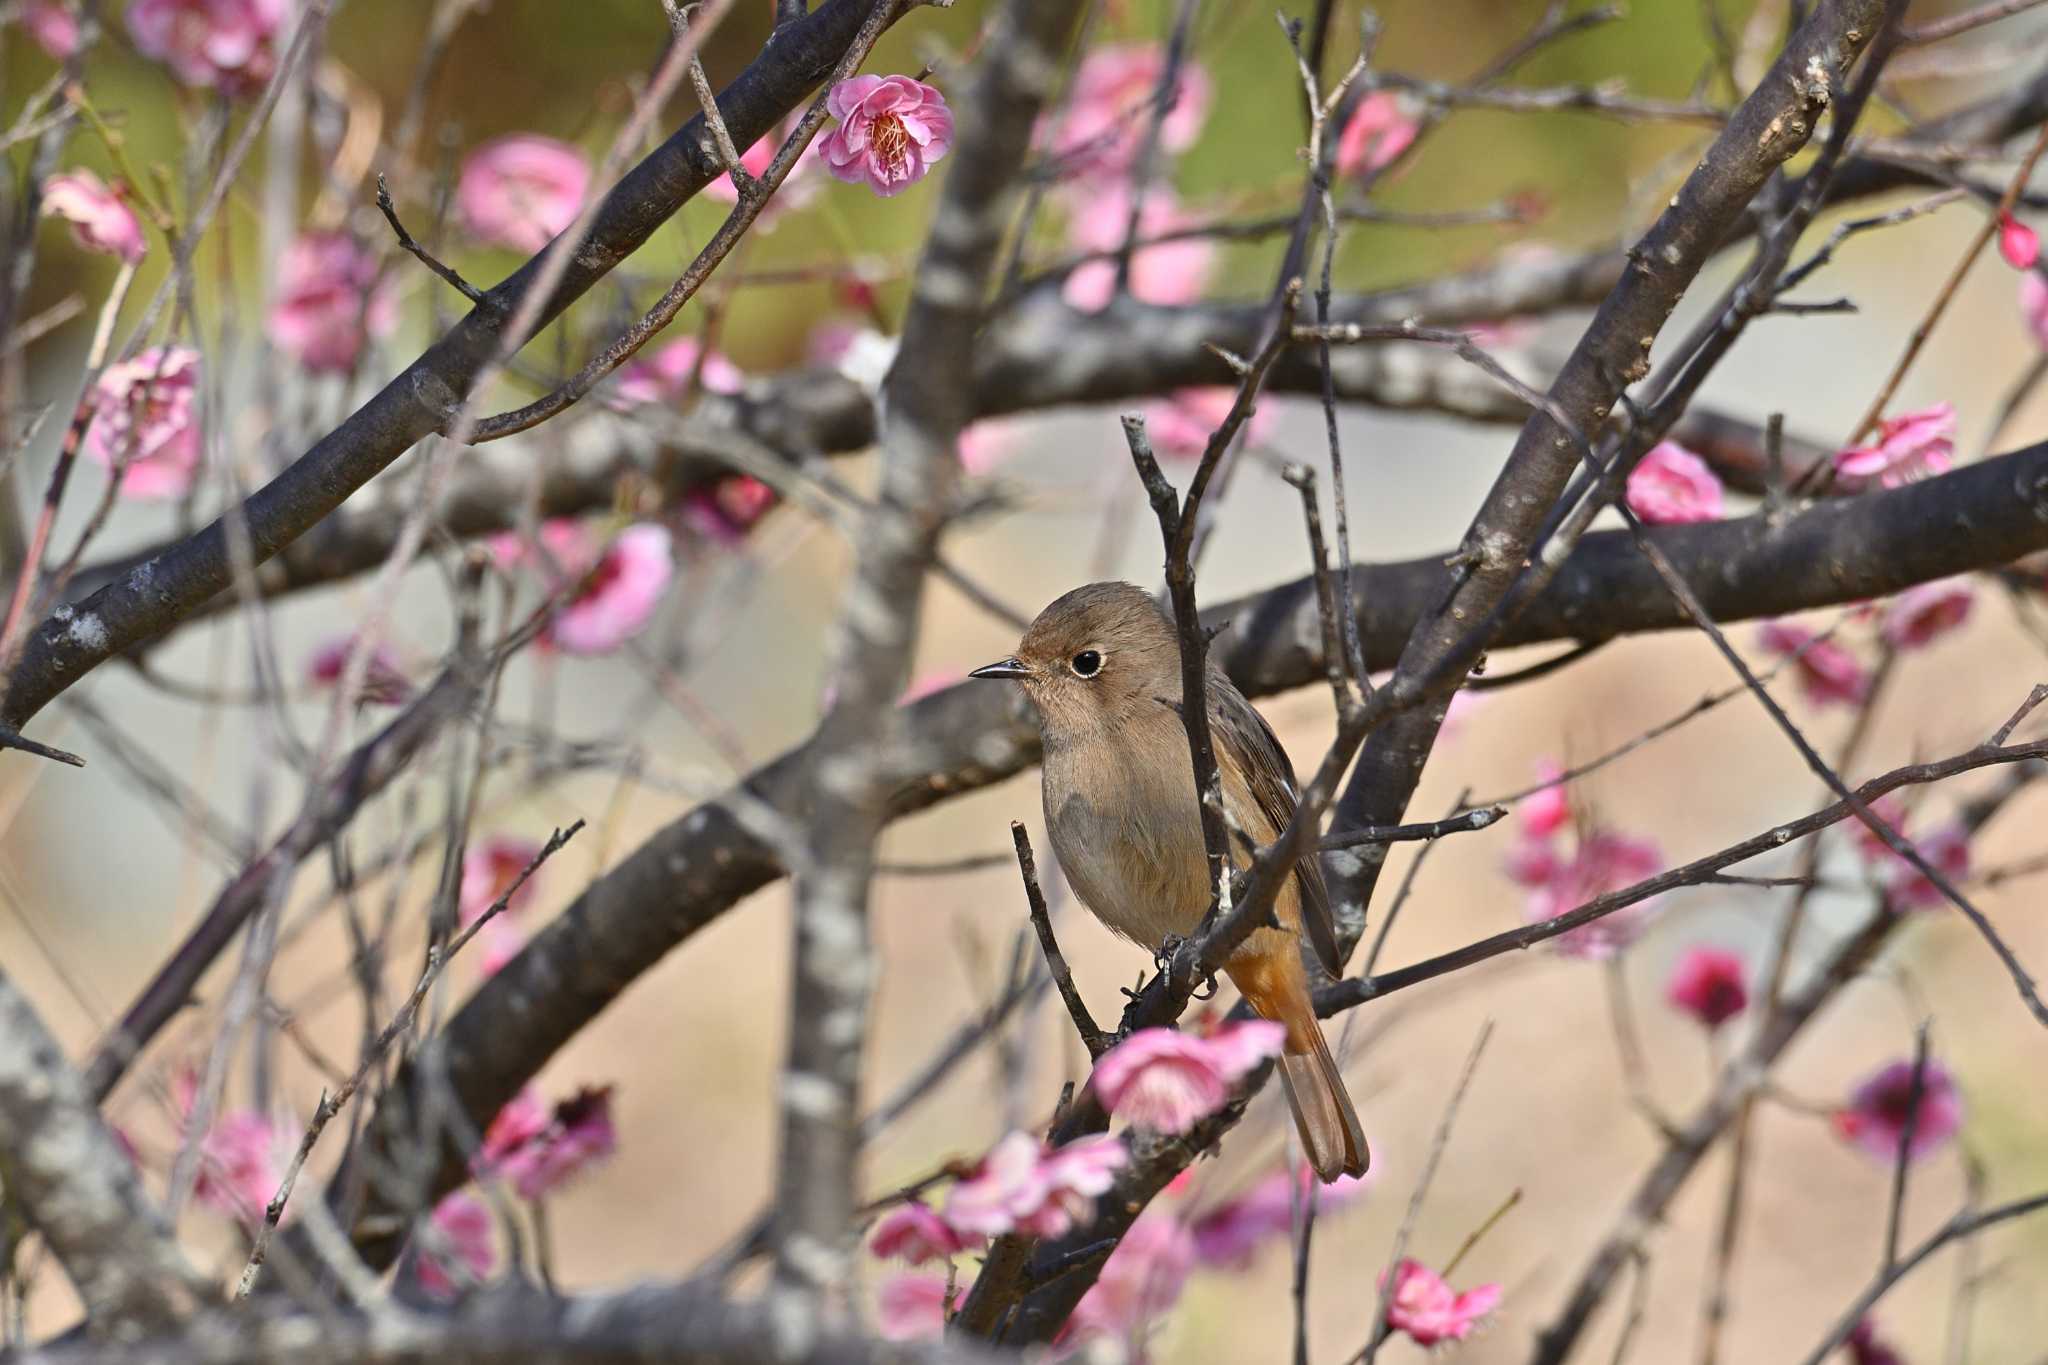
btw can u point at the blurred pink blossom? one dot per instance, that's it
(798, 188)
(1166, 273)
(1827, 672)
(1102, 127)
(986, 444)
(1139, 1283)
(1924, 613)
(1167, 1080)
(2034, 305)
(1021, 1185)
(729, 509)
(524, 1118)
(1671, 485)
(328, 303)
(466, 1237)
(145, 414)
(664, 374)
(616, 589)
(54, 27)
(2018, 243)
(1424, 1307)
(1228, 1236)
(1378, 132)
(891, 130)
(384, 680)
(488, 869)
(911, 1307)
(1603, 861)
(1709, 984)
(578, 1135)
(1888, 808)
(1544, 812)
(1865, 1348)
(1181, 423)
(99, 216)
(224, 45)
(1946, 850)
(242, 1161)
(1876, 1115)
(916, 1234)
(521, 190)
(1913, 445)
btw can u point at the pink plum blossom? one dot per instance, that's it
(1671, 485)
(1378, 132)
(1228, 1236)
(521, 190)
(986, 444)
(1167, 1081)
(1946, 850)
(916, 1234)
(891, 131)
(1181, 424)
(1876, 1115)
(1603, 861)
(1102, 128)
(242, 1161)
(1547, 810)
(728, 510)
(798, 188)
(52, 25)
(1865, 1348)
(489, 868)
(665, 374)
(2018, 243)
(911, 1307)
(1424, 1307)
(99, 216)
(1139, 1283)
(1913, 445)
(328, 302)
(384, 680)
(224, 45)
(2034, 305)
(1165, 273)
(576, 1136)
(145, 422)
(1020, 1185)
(465, 1237)
(1924, 613)
(614, 591)
(524, 1118)
(1827, 672)
(1710, 985)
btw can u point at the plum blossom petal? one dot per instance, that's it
(1100, 131)
(1946, 850)
(145, 422)
(1710, 984)
(1165, 273)
(618, 593)
(892, 129)
(728, 510)
(1913, 445)
(52, 25)
(521, 190)
(798, 188)
(1020, 1185)
(489, 867)
(986, 444)
(328, 302)
(1876, 1115)
(2018, 243)
(242, 1161)
(1603, 861)
(1139, 1283)
(1167, 1081)
(911, 1307)
(1924, 613)
(1181, 424)
(1547, 810)
(1424, 1307)
(1671, 485)
(2034, 306)
(384, 680)
(523, 1119)
(916, 1234)
(224, 45)
(465, 1236)
(99, 216)
(665, 374)
(1379, 130)
(1228, 1236)
(1866, 1348)
(1828, 673)
(579, 1134)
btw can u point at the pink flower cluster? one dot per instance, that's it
(328, 302)
(1914, 445)
(1168, 1081)
(224, 45)
(1880, 1111)
(1099, 134)
(1923, 614)
(1828, 673)
(1710, 984)
(99, 216)
(520, 191)
(612, 589)
(384, 680)
(1671, 485)
(1426, 1309)
(892, 130)
(1022, 1186)
(145, 422)
(1946, 848)
(665, 375)
(1598, 861)
(538, 1149)
(1140, 1282)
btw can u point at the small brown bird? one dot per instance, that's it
(1103, 666)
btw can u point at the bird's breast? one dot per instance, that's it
(1128, 835)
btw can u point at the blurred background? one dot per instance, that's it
(99, 876)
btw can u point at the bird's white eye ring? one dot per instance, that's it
(1086, 664)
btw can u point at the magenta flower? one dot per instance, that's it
(1102, 128)
(798, 188)
(1020, 1185)
(465, 1236)
(488, 869)
(666, 373)
(524, 1118)
(1923, 614)
(1710, 985)
(520, 191)
(328, 303)
(1875, 1117)
(616, 595)
(1827, 672)
(100, 218)
(1947, 850)
(728, 510)
(1168, 1081)
(1671, 485)
(2018, 243)
(1865, 1348)
(384, 680)
(54, 27)
(986, 444)
(2034, 305)
(1139, 1283)
(1228, 1236)
(1604, 861)
(1166, 273)
(224, 45)
(1544, 812)
(578, 1135)
(1913, 445)
(911, 1307)
(916, 1234)
(1378, 132)
(145, 422)
(891, 130)
(242, 1161)
(1181, 424)
(1424, 1307)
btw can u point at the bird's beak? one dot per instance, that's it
(1001, 668)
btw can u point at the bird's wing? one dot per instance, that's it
(1240, 728)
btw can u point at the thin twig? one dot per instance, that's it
(1092, 1037)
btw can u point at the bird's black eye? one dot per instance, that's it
(1087, 664)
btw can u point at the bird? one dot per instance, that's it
(1102, 666)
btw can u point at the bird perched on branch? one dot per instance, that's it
(1102, 664)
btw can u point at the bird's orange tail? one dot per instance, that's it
(1274, 984)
